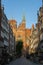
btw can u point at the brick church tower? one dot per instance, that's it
(22, 25)
(21, 31)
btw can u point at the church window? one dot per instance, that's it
(19, 36)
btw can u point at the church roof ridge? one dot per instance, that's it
(12, 20)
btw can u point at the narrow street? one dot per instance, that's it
(22, 61)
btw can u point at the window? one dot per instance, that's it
(19, 36)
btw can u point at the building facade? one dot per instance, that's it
(40, 26)
(11, 41)
(37, 34)
(21, 32)
(4, 30)
(7, 40)
(1, 37)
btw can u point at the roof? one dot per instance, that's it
(12, 21)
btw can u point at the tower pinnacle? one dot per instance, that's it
(23, 18)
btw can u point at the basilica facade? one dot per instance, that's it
(21, 32)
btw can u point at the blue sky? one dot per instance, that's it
(14, 9)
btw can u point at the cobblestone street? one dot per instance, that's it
(22, 61)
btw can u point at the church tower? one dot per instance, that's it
(22, 25)
(24, 21)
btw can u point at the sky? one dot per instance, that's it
(15, 9)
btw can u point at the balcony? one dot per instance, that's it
(3, 26)
(6, 43)
(2, 34)
(6, 35)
